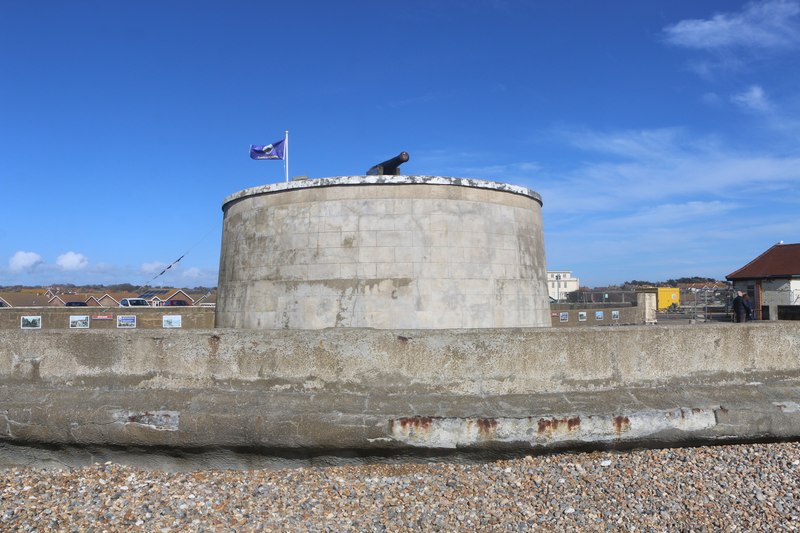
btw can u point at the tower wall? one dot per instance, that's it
(419, 252)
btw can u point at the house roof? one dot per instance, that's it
(50, 298)
(63, 298)
(208, 298)
(159, 293)
(24, 299)
(117, 296)
(704, 285)
(780, 261)
(176, 296)
(56, 300)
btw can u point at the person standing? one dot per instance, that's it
(739, 310)
(748, 308)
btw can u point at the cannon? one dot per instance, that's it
(390, 167)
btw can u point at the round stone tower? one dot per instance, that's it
(393, 252)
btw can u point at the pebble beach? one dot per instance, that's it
(732, 487)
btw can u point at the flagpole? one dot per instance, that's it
(286, 153)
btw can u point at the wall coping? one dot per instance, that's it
(382, 180)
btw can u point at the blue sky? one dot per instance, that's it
(662, 135)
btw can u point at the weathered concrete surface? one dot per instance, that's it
(422, 252)
(383, 391)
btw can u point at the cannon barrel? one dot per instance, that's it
(390, 166)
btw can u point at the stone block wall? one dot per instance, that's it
(399, 252)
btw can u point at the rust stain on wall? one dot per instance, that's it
(548, 426)
(621, 424)
(414, 423)
(486, 425)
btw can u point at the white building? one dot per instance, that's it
(560, 283)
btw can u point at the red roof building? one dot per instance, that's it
(772, 280)
(780, 261)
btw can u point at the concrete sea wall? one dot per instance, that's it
(405, 391)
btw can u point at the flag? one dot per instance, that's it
(270, 151)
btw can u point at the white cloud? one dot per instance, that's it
(771, 24)
(72, 261)
(643, 169)
(666, 202)
(489, 171)
(753, 99)
(178, 276)
(674, 213)
(24, 261)
(193, 273)
(636, 145)
(606, 186)
(648, 164)
(153, 267)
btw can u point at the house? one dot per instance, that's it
(23, 299)
(208, 299)
(171, 294)
(156, 298)
(160, 296)
(703, 286)
(56, 301)
(705, 293)
(772, 280)
(61, 300)
(561, 282)
(93, 301)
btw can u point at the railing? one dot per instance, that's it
(703, 305)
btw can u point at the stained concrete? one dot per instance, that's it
(423, 252)
(406, 392)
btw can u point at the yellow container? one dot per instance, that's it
(668, 296)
